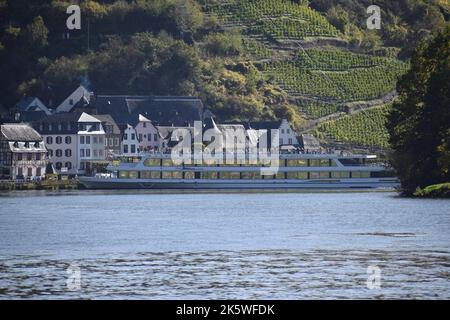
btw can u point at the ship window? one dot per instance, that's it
(297, 175)
(324, 162)
(230, 175)
(167, 162)
(365, 174)
(152, 163)
(133, 174)
(172, 175)
(251, 175)
(314, 163)
(124, 174)
(314, 175)
(296, 163)
(208, 175)
(189, 175)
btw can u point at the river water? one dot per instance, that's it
(150, 245)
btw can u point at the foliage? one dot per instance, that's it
(275, 19)
(337, 75)
(419, 124)
(363, 128)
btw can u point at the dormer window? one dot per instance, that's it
(16, 144)
(27, 144)
(71, 101)
(36, 145)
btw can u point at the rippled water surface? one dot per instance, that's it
(210, 246)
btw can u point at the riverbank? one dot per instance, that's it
(441, 190)
(9, 185)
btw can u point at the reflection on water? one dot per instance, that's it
(216, 246)
(264, 274)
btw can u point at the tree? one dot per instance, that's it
(419, 123)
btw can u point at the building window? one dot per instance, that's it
(281, 141)
(29, 156)
(111, 141)
(116, 141)
(68, 140)
(149, 137)
(19, 157)
(100, 153)
(68, 153)
(68, 165)
(95, 140)
(290, 140)
(58, 140)
(82, 140)
(125, 148)
(49, 140)
(88, 152)
(19, 172)
(82, 153)
(144, 125)
(58, 165)
(133, 148)
(30, 172)
(88, 140)
(59, 126)
(140, 136)
(125, 136)
(38, 171)
(282, 131)
(59, 153)
(95, 153)
(133, 136)
(27, 145)
(71, 101)
(288, 130)
(82, 166)
(38, 156)
(50, 152)
(100, 140)
(155, 137)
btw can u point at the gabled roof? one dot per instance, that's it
(143, 119)
(108, 120)
(80, 93)
(20, 132)
(165, 111)
(308, 141)
(265, 125)
(87, 118)
(31, 104)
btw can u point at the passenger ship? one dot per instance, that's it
(294, 171)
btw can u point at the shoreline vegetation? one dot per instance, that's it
(441, 190)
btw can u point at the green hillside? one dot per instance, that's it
(307, 61)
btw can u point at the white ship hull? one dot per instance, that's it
(269, 184)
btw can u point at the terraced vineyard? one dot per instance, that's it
(278, 19)
(339, 76)
(361, 128)
(326, 81)
(316, 110)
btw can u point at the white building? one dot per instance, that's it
(130, 142)
(287, 134)
(60, 133)
(91, 142)
(147, 134)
